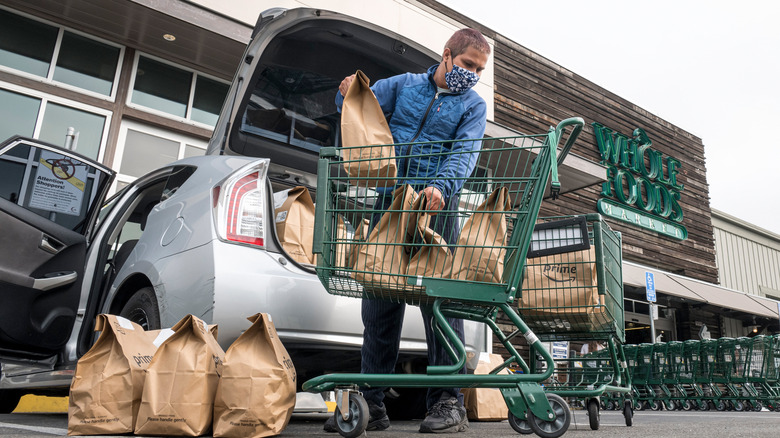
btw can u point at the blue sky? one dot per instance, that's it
(709, 67)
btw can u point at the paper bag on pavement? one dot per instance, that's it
(181, 381)
(106, 389)
(256, 392)
(363, 123)
(479, 255)
(294, 217)
(486, 404)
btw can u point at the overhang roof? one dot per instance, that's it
(212, 42)
(699, 291)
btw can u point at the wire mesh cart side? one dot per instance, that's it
(572, 290)
(376, 237)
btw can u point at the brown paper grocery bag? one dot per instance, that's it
(363, 124)
(294, 217)
(432, 256)
(486, 404)
(479, 255)
(181, 381)
(361, 233)
(382, 262)
(106, 388)
(256, 392)
(342, 243)
(214, 330)
(563, 285)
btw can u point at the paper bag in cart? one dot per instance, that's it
(106, 389)
(343, 246)
(256, 392)
(564, 287)
(381, 262)
(363, 123)
(486, 404)
(181, 382)
(479, 255)
(294, 217)
(361, 233)
(432, 256)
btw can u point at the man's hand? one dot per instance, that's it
(344, 86)
(435, 200)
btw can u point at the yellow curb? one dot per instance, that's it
(39, 403)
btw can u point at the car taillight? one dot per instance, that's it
(240, 206)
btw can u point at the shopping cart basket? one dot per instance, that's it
(573, 291)
(471, 277)
(693, 369)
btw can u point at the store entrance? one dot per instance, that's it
(638, 323)
(637, 333)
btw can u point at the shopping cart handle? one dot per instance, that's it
(578, 124)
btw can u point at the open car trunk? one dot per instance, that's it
(283, 101)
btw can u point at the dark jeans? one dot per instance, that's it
(382, 322)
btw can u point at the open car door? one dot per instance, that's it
(49, 200)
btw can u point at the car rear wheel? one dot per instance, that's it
(142, 309)
(8, 401)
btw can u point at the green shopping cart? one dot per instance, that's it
(401, 259)
(575, 293)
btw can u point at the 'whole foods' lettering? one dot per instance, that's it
(642, 183)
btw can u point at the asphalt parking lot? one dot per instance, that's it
(646, 424)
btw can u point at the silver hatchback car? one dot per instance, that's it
(196, 236)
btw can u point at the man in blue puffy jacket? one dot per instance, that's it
(434, 106)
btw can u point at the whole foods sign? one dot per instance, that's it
(641, 187)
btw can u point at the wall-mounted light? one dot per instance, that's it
(169, 37)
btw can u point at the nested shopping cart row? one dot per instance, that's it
(724, 374)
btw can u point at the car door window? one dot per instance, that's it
(62, 187)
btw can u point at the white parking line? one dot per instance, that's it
(39, 429)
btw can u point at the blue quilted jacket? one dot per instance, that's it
(417, 112)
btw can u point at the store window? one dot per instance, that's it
(30, 47)
(142, 149)
(26, 45)
(178, 92)
(47, 118)
(89, 128)
(87, 64)
(208, 99)
(19, 114)
(162, 87)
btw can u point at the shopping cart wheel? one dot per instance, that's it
(628, 414)
(757, 406)
(593, 414)
(739, 406)
(655, 405)
(703, 405)
(720, 405)
(555, 427)
(520, 425)
(688, 405)
(357, 421)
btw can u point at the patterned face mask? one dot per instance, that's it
(460, 79)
